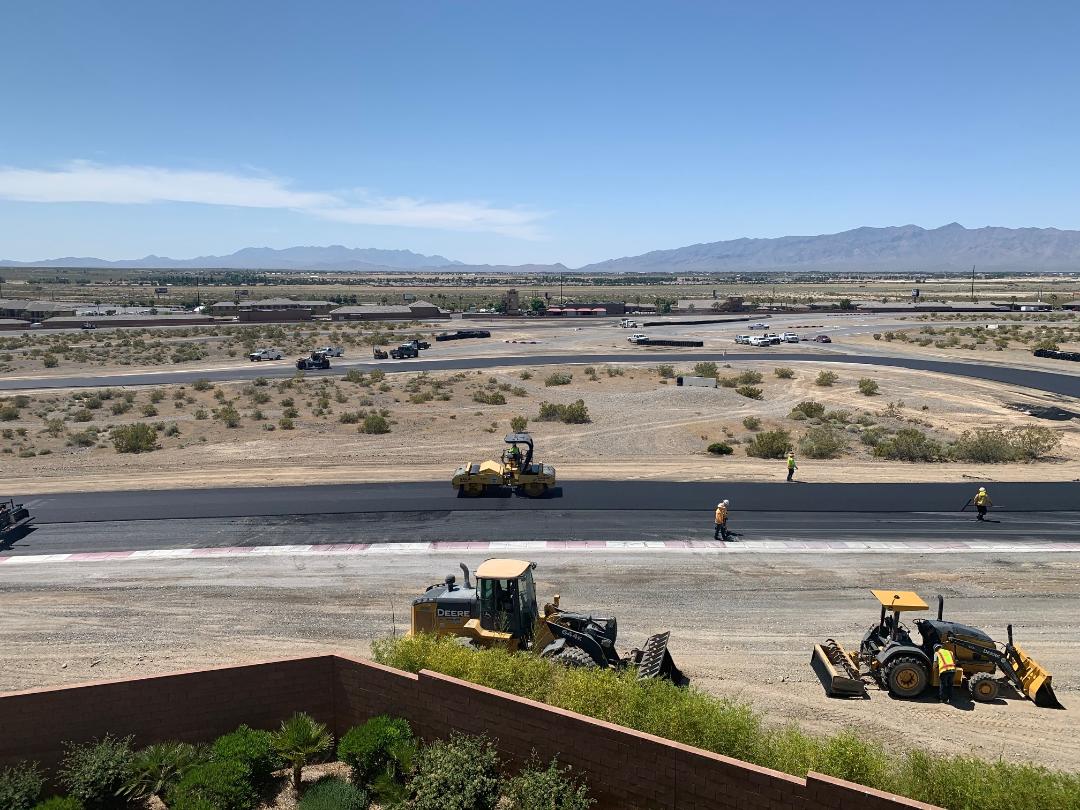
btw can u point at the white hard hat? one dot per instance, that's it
(982, 489)
(726, 503)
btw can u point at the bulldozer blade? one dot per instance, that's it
(1036, 680)
(655, 661)
(835, 671)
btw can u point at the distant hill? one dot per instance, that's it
(320, 259)
(907, 247)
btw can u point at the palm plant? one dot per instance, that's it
(157, 768)
(301, 740)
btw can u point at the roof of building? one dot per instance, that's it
(372, 309)
(422, 305)
(273, 302)
(37, 306)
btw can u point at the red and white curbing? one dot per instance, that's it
(538, 546)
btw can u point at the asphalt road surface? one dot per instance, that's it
(1053, 382)
(581, 510)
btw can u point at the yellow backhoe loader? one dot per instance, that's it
(905, 667)
(501, 610)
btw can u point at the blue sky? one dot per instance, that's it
(499, 131)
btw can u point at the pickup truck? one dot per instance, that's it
(265, 354)
(419, 344)
(759, 326)
(333, 351)
(637, 337)
(743, 339)
(405, 351)
(626, 323)
(789, 337)
(773, 338)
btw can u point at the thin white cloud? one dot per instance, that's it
(82, 181)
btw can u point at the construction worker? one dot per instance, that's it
(720, 530)
(981, 501)
(515, 455)
(946, 667)
(791, 467)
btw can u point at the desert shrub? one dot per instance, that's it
(518, 424)
(139, 437)
(252, 748)
(909, 444)
(809, 409)
(461, 773)
(769, 444)
(547, 788)
(157, 769)
(121, 407)
(95, 772)
(215, 785)
(285, 423)
(576, 413)
(354, 375)
(784, 373)
(558, 378)
(877, 335)
(666, 371)
(751, 423)
(868, 387)
(822, 442)
(614, 371)
(50, 361)
(147, 410)
(749, 378)
(526, 375)
(334, 794)
(720, 449)
(8, 412)
(705, 369)
(1035, 442)
(727, 382)
(202, 384)
(872, 435)
(366, 749)
(20, 786)
(54, 427)
(82, 415)
(228, 416)
(84, 438)
(349, 418)
(157, 395)
(1048, 344)
(489, 398)
(997, 445)
(749, 391)
(375, 423)
(826, 378)
(59, 803)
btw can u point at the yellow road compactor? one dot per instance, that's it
(905, 667)
(501, 611)
(515, 469)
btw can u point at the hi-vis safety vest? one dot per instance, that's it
(945, 660)
(721, 514)
(791, 462)
(981, 499)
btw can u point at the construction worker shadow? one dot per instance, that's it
(8, 543)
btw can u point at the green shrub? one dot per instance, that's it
(461, 773)
(202, 384)
(353, 375)
(769, 444)
(558, 378)
(822, 442)
(751, 423)
(285, 423)
(334, 794)
(252, 748)
(157, 395)
(727, 382)
(95, 772)
(20, 786)
(367, 749)
(59, 803)
(121, 407)
(215, 785)
(82, 415)
(300, 741)
(614, 371)
(8, 413)
(50, 361)
(547, 788)
(139, 437)
(489, 398)
(147, 410)
(157, 769)
(518, 424)
(871, 436)
(784, 373)
(666, 371)
(349, 418)
(705, 369)
(868, 387)
(749, 391)
(228, 416)
(909, 444)
(826, 378)
(809, 409)
(1035, 442)
(84, 438)
(749, 378)
(576, 413)
(526, 375)
(720, 449)
(374, 424)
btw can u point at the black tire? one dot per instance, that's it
(984, 687)
(906, 676)
(574, 657)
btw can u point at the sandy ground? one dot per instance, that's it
(741, 627)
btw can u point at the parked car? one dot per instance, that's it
(760, 340)
(89, 325)
(637, 337)
(333, 351)
(790, 337)
(265, 354)
(823, 339)
(318, 360)
(743, 339)
(759, 326)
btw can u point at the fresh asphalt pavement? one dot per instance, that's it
(1053, 382)
(578, 510)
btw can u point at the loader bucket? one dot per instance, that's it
(654, 661)
(1036, 680)
(836, 671)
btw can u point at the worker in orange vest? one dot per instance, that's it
(720, 528)
(946, 667)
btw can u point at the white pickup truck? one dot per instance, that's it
(789, 337)
(265, 354)
(332, 351)
(637, 337)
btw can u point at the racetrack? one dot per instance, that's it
(1053, 382)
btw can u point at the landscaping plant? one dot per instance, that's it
(539, 787)
(461, 773)
(301, 740)
(96, 772)
(334, 794)
(20, 786)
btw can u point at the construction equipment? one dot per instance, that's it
(515, 469)
(501, 611)
(318, 360)
(14, 518)
(905, 668)
(380, 354)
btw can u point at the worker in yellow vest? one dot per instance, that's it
(981, 501)
(946, 667)
(720, 526)
(791, 466)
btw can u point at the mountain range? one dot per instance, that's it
(901, 248)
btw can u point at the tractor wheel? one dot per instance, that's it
(574, 657)
(906, 677)
(472, 490)
(535, 490)
(984, 687)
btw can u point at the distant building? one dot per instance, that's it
(35, 310)
(591, 310)
(414, 311)
(272, 305)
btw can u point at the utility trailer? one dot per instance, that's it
(645, 341)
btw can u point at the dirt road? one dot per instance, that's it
(741, 627)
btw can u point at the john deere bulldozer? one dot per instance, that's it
(515, 469)
(905, 666)
(501, 610)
